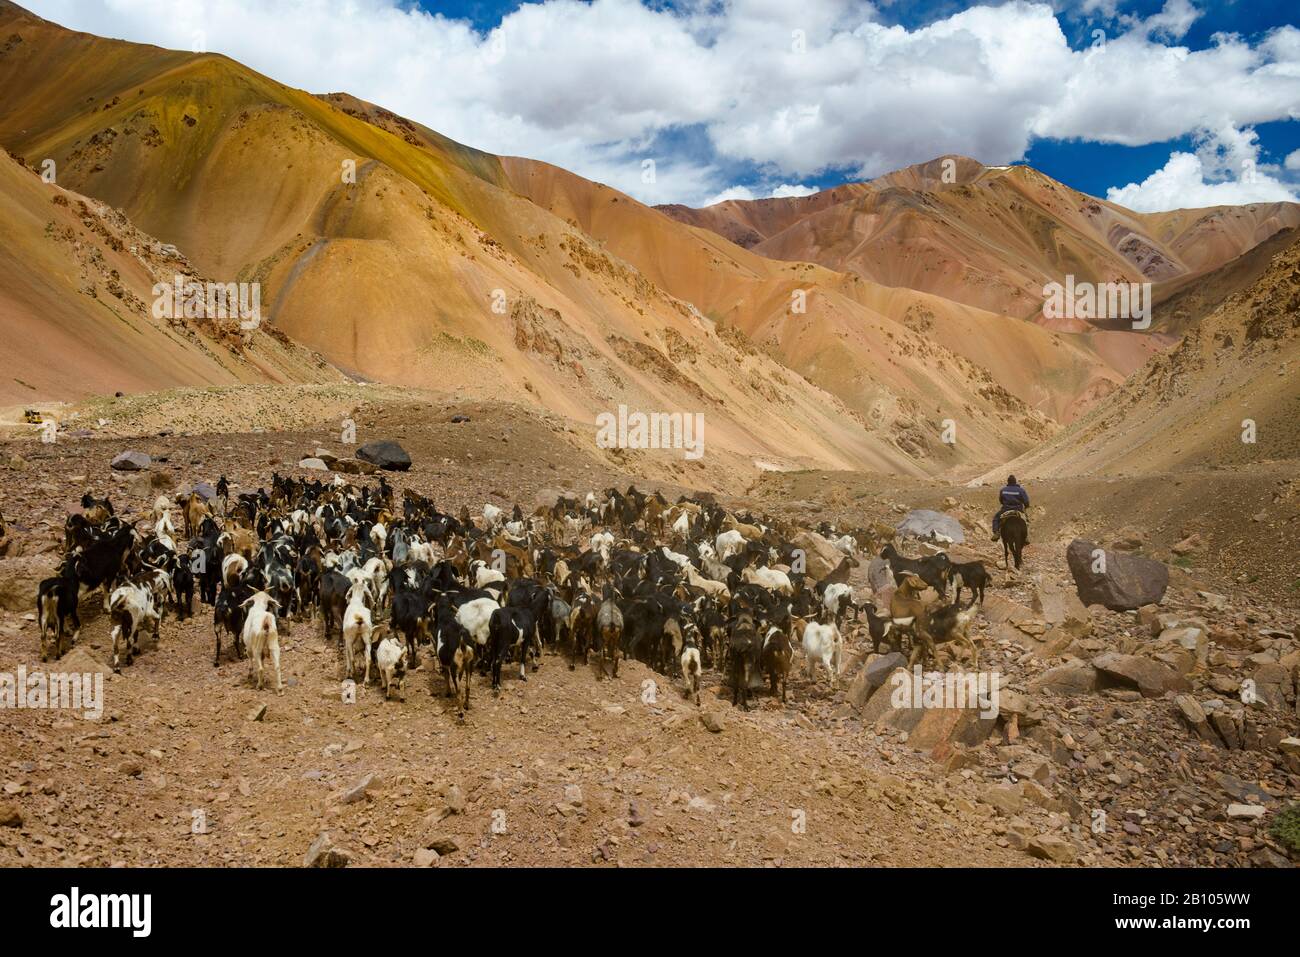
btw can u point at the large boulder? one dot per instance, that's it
(1118, 581)
(131, 461)
(1152, 678)
(19, 579)
(873, 676)
(934, 526)
(879, 576)
(388, 455)
(820, 556)
(900, 704)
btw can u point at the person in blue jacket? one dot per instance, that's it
(1013, 498)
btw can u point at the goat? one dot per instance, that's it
(132, 610)
(56, 602)
(775, 659)
(878, 626)
(906, 603)
(509, 629)
(475, 616)
(609, 625)
(261, 638)
(97, 511)
(390, 659)
(358, 629)
(772, 579)
(742, 649)
(690, 662)
(228, 613)
(710, 587)
(194, 509)
(410, 618)
(102, 562)
(973, 576)
(728, 543)
(822, 643)
(836, 598)
(483, 574)
(455, 652)
(947, 623)
(232, 566)
(334, 589)
(932, 570)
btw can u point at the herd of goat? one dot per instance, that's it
(679, 586)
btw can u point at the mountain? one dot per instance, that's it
(990, 237)
(402, 256)
(76, 307)
(1224, 397)
(889, 343)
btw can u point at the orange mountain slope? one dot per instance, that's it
(1226, 396)
(990, 237)
(76, 307)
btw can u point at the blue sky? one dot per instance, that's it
(1153, 103)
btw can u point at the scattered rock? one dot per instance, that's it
(1049, 847)
(358, 791)
(426, 857)
(131, 461)
(1072, 678)
(713, 721)
(443, 844)
(1152, 678)
(820, 556)
(323, 853)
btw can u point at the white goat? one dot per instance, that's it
(728, 543)
(822, 643)
(390, 657)
(261, 638)
(602, 542)
(484, 574)
(846, 544)
(358, 628)
(691, 669)
(773, 579)
(832, 598)
(475, 617)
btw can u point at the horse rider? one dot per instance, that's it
(1013, 498)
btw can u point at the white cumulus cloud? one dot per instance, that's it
(777, 91)
(1224, 170)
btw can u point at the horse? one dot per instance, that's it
(1014, 532)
